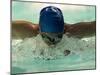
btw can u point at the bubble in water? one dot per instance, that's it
(35, 47)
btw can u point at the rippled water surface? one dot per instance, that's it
(26, 55)
(33, 55)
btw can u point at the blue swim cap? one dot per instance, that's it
(51, 20)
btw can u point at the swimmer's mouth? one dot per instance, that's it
(51, 41)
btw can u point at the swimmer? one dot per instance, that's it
(51, 27)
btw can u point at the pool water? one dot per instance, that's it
(33, 55)
(27, 56)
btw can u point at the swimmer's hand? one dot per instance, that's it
(80, 30)
(23, 29)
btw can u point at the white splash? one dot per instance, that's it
(36, 48)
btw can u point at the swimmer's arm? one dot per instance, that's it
(80, 30)
(24, 29)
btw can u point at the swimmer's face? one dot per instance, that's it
(52, 38)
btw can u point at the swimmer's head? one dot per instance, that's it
(51, 25)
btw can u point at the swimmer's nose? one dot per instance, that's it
(52, 40)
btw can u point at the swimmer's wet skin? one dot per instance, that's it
(81, 29)
(25, 29)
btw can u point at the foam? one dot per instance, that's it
(35, 48)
